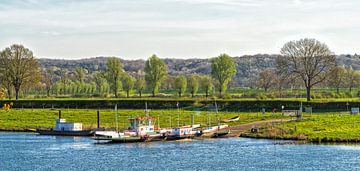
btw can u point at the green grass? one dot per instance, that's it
(325, 127)
(18, 119)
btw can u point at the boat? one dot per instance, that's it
(65, 133)
(141, 130)
(64, 128)
(183, 132)
(216, 131)
(233, 119)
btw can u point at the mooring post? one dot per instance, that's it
(98, 119)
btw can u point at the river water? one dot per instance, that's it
(25, 151)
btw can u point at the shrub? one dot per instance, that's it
(261, 96)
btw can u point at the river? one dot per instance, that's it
(26, 151)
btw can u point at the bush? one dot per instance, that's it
(227, 96)
(261, 96)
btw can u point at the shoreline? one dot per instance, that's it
(318, 140)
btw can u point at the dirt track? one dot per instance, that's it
(238, 129)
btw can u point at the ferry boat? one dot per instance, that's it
(141, 130)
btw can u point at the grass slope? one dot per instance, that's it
(323, 127)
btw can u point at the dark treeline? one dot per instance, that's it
(303, 64)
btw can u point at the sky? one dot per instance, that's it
(136, 29)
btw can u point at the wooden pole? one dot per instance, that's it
(98, 119)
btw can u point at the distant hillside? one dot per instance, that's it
(247, 66)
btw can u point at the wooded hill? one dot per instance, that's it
(248, 66)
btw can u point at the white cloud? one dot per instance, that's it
(175, 28)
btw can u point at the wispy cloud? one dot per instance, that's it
(175, 28)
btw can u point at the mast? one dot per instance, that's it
(147, 113)
(178, 114)
(146, 110)
(158, 121)
(216, 110)
(192, 121)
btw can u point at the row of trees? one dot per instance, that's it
(20, 71)
(307, 62)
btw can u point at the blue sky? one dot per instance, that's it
(135, 29)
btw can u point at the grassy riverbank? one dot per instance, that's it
(322, 127)
(23, 119)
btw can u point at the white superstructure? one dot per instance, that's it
(62, 125)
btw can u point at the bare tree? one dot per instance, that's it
(308, 59)
(336, 78)
(266, 79)
(352, 78)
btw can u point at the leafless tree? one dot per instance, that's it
(336, 78)
(308, 59)
(266, 79)
(352, 78)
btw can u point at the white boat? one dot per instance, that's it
(213, 129)
(142, 129)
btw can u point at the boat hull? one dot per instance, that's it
(65, 133)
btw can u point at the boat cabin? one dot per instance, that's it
(142, 125)
(62, 125)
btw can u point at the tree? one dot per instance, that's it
(99, 80)
(193, 84)
(206, 85)
(168, 83)
(7, 84)
(336, 77)
(352, 78)
(64, 80)
(266, 79)
(128, 84)
(307, 59)
(80, 74)
(2, 93)
(20, 66)
(180, 84)
(222, 70)
(113, 73)
(49, 80)
(155, 72)
(140, 85)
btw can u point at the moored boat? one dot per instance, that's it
(233, 119)
(64, 128)
(142, 129)
(188, 131)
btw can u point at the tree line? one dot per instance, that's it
(306, 63)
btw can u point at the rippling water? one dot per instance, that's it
(23, 151)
